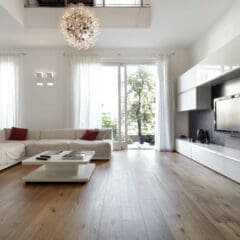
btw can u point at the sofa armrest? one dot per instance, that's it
(11, 152)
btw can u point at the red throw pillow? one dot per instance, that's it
(90, 135)
(18, 134)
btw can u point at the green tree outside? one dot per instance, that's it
(141, 100)
(108, 123)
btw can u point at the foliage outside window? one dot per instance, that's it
(141, 99)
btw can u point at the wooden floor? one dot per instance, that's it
(138, 195)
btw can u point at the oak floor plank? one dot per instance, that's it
(139, 194)
(217, 205)
(180, 213)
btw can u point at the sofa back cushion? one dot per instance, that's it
(104, 133)
(7, 133)
(2, 135)
(57, 134)
(79, 133)
(32, 134)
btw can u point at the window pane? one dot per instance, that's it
(109, 98)
(141, 98)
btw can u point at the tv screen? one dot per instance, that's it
(227, 114)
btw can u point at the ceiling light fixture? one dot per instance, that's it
(79, 26)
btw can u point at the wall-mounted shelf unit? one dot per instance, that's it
(219, 67)
(194, 99)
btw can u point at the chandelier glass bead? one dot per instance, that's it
(79, 26)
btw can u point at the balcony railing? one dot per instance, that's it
(92, 3)
(122, 3)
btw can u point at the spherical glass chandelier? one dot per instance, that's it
(79, 26)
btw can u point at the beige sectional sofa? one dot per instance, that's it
(11, 152)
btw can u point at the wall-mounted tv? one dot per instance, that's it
(227, 113)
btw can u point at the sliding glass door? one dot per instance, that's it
(128, 104)
(110, 99)
(141, 102)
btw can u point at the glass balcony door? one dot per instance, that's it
(113, 107)
(141, 105)
(128, 104)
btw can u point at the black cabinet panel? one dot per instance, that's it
(51, 3)
(61, 3)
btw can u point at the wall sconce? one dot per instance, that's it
(50, 79)
(44, 78)
(39, 76)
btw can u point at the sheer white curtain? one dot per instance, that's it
(9, 91)
(165, 107)
(85, 107)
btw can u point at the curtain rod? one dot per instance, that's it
(79, 54)
(117, 55)
(168, 54)
(119, 59)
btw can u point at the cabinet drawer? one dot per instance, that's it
(208, 155)
(187, 100)
(206, 73)
(187, 81)
(184, 147)
(194, 99)
(208, 159)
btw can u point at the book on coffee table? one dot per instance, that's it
(52, 152)
(74, 155)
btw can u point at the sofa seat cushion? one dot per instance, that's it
(37, 147)
(102, 148)
(24, 142)
(11, 152)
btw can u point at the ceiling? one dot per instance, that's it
(173, 23)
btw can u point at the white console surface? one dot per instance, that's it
(231, 153)
(219, 158)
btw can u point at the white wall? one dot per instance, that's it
(181, 63)
(224, 30)
(115, 17)
(45, 107)
(15, 8)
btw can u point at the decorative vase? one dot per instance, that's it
(200, 135)
(207, 137)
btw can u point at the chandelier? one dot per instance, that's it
(79, 26)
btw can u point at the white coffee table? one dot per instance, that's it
(57, 170)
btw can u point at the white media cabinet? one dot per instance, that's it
(223, 160)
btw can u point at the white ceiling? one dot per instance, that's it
(174, 23)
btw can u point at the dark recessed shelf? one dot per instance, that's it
(63, 3)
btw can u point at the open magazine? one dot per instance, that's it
(74, 155)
